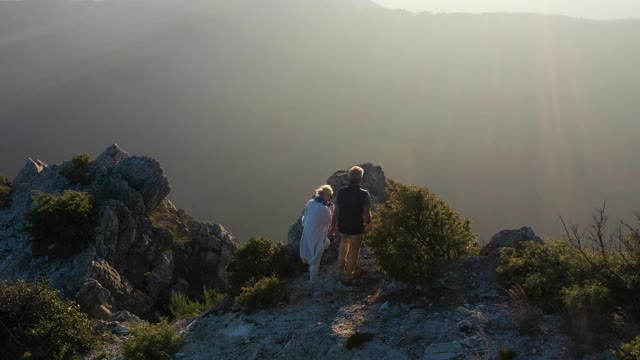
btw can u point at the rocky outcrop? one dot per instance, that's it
(443, 321)
(510, 239)
(373, 181)
(143, 246)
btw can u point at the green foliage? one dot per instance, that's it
(4, 181)
(265, 293)
(175, 220)
(358, 339)
(182, 307)
(590, 297)
(543, 270)
(61, 225)
(259, 258)
(78, 171)
(628, 351)
(34, 319)
(414, 229)
(5, 191)
(152, 342)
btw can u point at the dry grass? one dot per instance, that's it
(526, 315)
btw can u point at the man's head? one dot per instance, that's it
(355, 175)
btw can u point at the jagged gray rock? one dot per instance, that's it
(511, 239)
(143, 248)
(94, 299)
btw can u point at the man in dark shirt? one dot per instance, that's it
(352, 217)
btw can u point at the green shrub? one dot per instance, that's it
(175, 220)
(152, 342)
(78, 171)
(182, 307)
(34, 319)
(414, 229)
(628, 351)
(61, 225)
(5, 191)
(591, 297)
(265, 293)
(543, 270)
(259, 258)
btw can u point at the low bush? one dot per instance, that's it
(592, 297)
(175, 220)
(267, 292)
(182, 307)
(152, 342)
(586, 275)
(628, 351)
(61, 225)
(78, 170)
(414, 229)
(34, 319)
(5, 191)
(259, 258)
(543, 270)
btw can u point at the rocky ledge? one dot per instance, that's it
(143, 247)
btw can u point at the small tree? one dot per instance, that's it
(65, 221)
(77, 171)
(34, 319)
(259, 258)
(413, 229)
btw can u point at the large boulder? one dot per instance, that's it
(94, 299)
(510, 239)
(143, 247)
(373, 181)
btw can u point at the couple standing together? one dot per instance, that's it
(349, 214)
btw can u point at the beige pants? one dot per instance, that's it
(349, 255)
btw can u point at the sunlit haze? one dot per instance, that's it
(590, 9)
(250, 105)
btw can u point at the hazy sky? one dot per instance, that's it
(513, 120)
(594, 9)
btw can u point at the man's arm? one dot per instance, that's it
(366, 216)
(366, 212)
(334, 220)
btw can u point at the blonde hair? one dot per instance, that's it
(355, 174)
(324, 190)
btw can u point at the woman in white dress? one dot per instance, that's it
(316, 222)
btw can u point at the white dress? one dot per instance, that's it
(316, 221)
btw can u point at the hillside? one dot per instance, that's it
(516, 296)
(530, 116)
